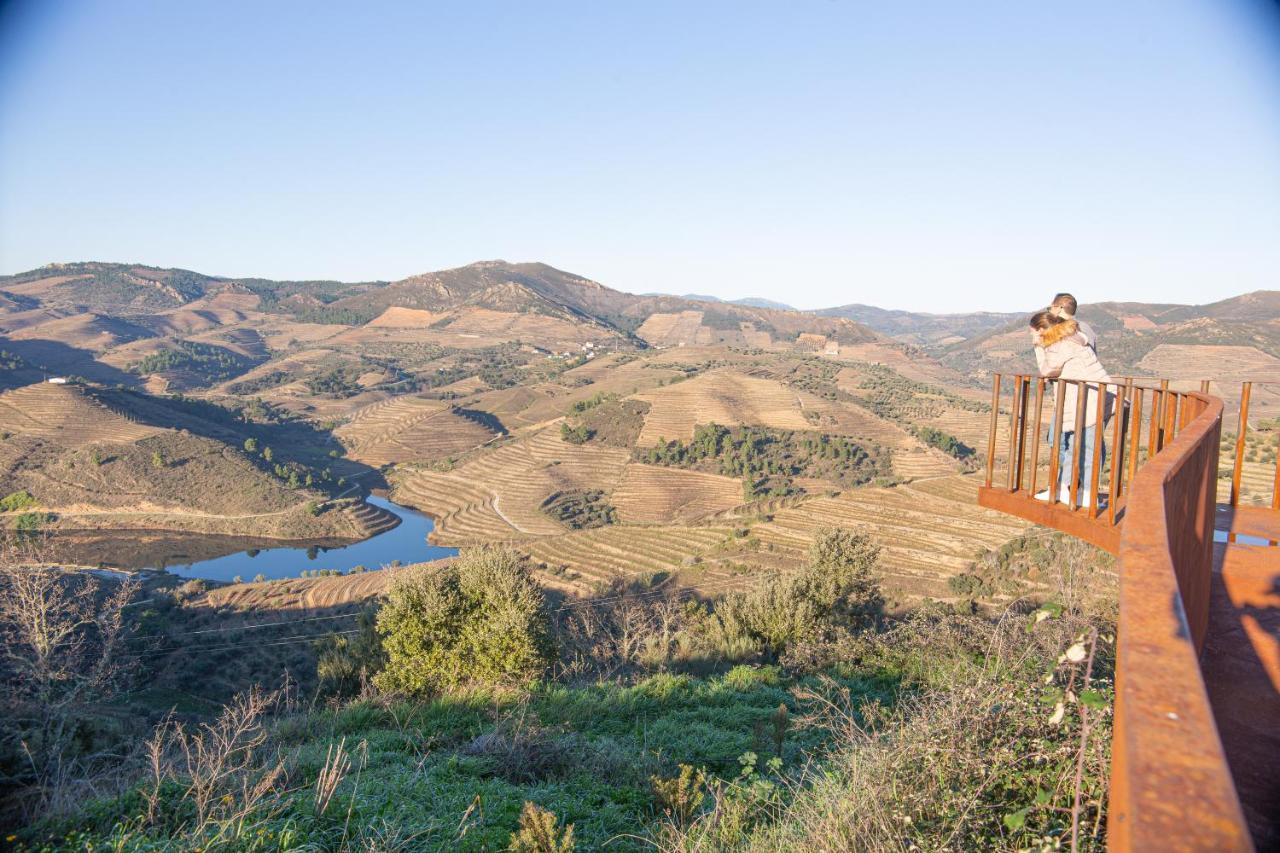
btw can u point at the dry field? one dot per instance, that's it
(82, 331)
(671, 330)
(396, 317)
(721, 396)
(917, 369)
(928, 530)
(471, 328)
(1201, 361)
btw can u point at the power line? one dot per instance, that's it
(284, 641)
(682, 592)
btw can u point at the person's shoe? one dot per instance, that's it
(1043, 496)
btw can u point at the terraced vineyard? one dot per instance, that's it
(64, 414)
(929, 530)
(583, 560)
(920, 462)
(654, 493)
(972, 428)
(517, 477)
(408, 429)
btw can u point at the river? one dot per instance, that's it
(223, 558)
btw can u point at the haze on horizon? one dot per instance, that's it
(928, 156)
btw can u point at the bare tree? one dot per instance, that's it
(61, 635)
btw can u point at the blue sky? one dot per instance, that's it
(926, 155)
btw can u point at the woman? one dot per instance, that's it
(1062, 352)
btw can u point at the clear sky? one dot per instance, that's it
(925, 155)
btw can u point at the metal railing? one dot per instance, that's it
(1171, 787)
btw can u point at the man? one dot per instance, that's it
(1064, 305)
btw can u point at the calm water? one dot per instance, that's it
(406, 542)
(223, 557)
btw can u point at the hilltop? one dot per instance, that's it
(82, 458)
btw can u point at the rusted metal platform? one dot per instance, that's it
(1241, 662)
(1196, 745)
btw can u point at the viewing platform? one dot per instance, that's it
(1196, 742)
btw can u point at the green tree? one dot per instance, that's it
(250, 445)
(480, 619)
(267, 454)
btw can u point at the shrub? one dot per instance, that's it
(30, 522)
(15, 501)
(538, 833)
(837, 588)
(345, 663)
(481, 618)
(575, 435)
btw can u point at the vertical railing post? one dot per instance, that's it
(1035, 437)
(1014, 429)
(1241, 431)
(1157, 415)
(1135, 428)
(1024, 391)
(1275, 486)
(1118, 417)
(1055, 452)
(1077, 440)
(995, 420)
(1170, 425)
(1098, 429)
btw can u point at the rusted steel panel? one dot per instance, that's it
(1058, 516)
(1171, 787)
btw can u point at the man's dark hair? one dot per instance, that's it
(1066, 302)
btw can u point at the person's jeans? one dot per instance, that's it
(1083, 452)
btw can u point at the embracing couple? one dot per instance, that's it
(1067, 348)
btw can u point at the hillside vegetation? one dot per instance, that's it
(469, 712)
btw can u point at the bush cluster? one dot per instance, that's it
(480, 618)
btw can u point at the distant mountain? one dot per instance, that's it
(154, 296)
(1218, 339)
(923, 329)
(748, 302)
(130, 289)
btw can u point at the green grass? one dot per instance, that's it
(585, 753)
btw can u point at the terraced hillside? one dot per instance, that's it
(66, 415)
(581, 561)
(723, 397)
(929, 530)
(499, 494)
(411, 429)
(656, 494)
(90, 465)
